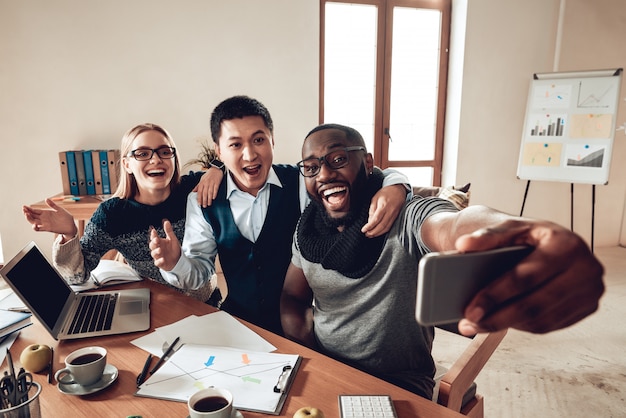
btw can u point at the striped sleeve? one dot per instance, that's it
(421, 208)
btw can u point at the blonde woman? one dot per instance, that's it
(150, 189)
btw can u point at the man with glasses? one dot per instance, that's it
(334, 159)
(250, 224)
(354, 298)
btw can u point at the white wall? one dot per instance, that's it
(77, 74)
(506, 43)
(593, 37)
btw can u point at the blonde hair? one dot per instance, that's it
(127, 186)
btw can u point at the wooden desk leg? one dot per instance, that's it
(81, 228)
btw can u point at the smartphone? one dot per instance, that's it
(447, 281)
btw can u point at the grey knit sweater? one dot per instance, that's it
(369, 322)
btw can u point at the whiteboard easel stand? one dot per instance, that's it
(560, 89)
(521, 212)
(571, 221)
(593, 210)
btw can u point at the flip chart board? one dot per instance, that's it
(570, 126)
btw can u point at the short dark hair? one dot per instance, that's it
(238, 107)
(352, 135)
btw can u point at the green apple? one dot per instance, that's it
(308, 412)
(36, 357)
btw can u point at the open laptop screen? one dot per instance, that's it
(39, 284)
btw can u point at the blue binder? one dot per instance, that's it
(104, 172)
(71, 172)
(89, 178)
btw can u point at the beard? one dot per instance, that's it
(346, 250)
(358, 198)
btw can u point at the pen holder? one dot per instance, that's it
(28, 409)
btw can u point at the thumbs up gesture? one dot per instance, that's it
(164, 251)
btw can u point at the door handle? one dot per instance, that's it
(386, 132)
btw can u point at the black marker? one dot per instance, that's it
(50, 365)
(165, 356)
(144, 371)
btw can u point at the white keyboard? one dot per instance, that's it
(366, 406)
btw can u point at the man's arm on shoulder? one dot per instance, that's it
(393, 177)
(208, 186)
(387, 203)
(296, 312)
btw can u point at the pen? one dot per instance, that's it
(50, 365)
(95, 281)
(165, 356)
(11, 388)
(23, 309)
(144, 371)
(69, 198)
(22, 386)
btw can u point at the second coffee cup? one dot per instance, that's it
(84, 366)
(211, 403)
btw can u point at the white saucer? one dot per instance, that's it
(234, 414)
(108, 377)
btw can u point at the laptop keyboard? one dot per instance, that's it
(95, 313)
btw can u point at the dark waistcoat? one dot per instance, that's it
(255, 272)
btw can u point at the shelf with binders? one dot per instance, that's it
(89, 172)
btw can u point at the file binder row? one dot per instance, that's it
(89, 172)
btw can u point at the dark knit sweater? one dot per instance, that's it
(124, 225)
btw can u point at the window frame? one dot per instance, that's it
(383, 79)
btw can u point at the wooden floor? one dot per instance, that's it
(576, 372)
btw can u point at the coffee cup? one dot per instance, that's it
(84, 366)
(210, 403)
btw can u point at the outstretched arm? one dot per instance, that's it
(296, 313)
(56, 219)
(555, 286)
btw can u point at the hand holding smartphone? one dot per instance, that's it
(447, 281)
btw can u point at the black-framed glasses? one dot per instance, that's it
(334, 159)
(145, 154)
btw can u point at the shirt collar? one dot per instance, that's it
(231, 186)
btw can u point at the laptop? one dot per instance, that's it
(70, 315)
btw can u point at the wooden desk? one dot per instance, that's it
(318, 383)
(81, 210)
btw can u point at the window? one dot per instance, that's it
(384, 69)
